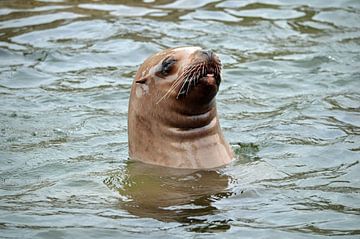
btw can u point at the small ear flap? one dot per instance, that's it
(141, 80)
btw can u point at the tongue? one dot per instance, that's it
(210, 79)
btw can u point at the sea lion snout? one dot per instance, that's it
(204, 69)
(207, 53)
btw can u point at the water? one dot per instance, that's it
(289, 105)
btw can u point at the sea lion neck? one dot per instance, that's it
(193, 107)
(187, 115)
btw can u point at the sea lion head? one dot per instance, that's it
(186, 76)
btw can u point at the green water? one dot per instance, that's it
(289, 104)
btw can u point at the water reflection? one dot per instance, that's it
(172, 195)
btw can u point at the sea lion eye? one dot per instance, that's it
(166, 65)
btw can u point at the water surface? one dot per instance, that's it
(289, 105)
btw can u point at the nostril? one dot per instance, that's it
(204, 52)
(207, 53)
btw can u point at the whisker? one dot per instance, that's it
(176, 83)
(188, 86)
(182, 87)
(190, 77)
(188, 73)
(184, 75)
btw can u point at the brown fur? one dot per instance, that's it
(172, 117)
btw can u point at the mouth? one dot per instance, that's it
(203, 73)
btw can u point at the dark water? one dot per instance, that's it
(289, 105)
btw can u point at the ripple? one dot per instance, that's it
(188, 4)
(265, 13)
(121, 10)
(46, 8)
(344, 102)
(6, 11)
(211, 15)
(82, 30)
(10, 46)
(25, 77)
(10, 59)
(51, 1)
(38, 20)
(259, 3)
(294, 3)
(339, 18)
(126, 53)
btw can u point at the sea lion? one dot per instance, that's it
(172, 119)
